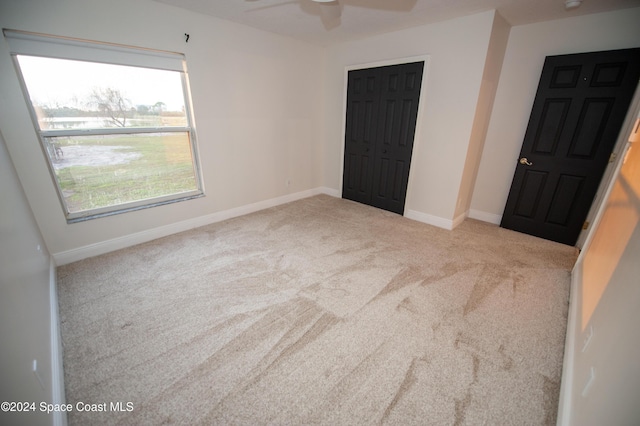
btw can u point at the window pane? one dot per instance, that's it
(101, 171)
(70, 94)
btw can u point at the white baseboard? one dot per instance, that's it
(485, 217)
(458, 220)
(568, 363)
(57, 372)
(440, 222)
(430, 219)
(329, 191)
(73, 255)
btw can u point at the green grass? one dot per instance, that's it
(162, 168)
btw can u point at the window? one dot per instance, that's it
(114, 122)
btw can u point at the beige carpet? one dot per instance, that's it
(321, 311)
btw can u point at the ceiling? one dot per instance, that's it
(301, 19)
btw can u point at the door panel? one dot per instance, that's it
(567, 192)
(591, 125)
(360, 134)
(383, 134)
(400, 94)
(580, 105)
(532, 188)
(549, 131)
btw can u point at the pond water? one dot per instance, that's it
(57, 123)
(91, 155)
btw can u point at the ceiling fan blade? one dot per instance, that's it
(330, 13)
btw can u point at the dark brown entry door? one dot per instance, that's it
(382, 110)
(578, 111)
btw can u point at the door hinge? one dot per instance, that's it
(612, 157)
(585, 225)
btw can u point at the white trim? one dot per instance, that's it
(101, 131)
(429, 219)
(329, 191)
(485, 216)
(568, 364)
(57, 372)
(458, 220)
(73, 255)
(52, 46)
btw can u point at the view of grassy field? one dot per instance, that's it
(101, 171)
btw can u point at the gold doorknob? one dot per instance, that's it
(524, 160)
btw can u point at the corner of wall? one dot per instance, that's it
(496, 50)
(31, 365)
(57, 370)
(485, 217)
(430, 219)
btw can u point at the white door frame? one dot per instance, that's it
(419, 119)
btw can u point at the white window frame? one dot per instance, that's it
(41, 45)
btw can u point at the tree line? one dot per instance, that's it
(108, 103)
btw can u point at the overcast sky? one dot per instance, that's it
(59, 82)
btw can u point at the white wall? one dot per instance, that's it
(25, 303)
(257, 100)
(601, 373)
(527, 47)
(457, 51)
(486, 98)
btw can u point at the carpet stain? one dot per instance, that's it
(518, 281)
(506, 360)
(461, 406)
(276, 322)
(357, 375)
(364, 246)
(490, 278)
(445, 271)
(407, 305)
(405, 277)
(292, 342)
(303, 332)
(497, 357)
(407, 383)
(476, 367)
